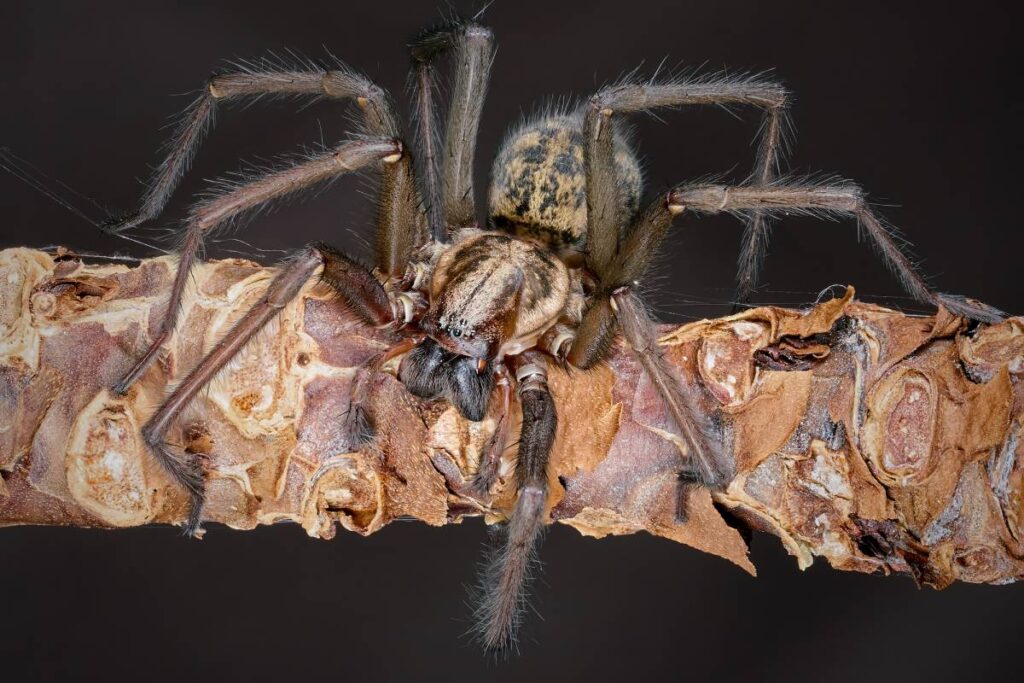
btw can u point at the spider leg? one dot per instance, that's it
(506, 577)
(826, 199)
(336, 270)
(603, 210)
(427, 144)
(400, 221)
(707, 463)
(472, 46)
(347, 157)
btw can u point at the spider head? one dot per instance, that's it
(492, 294)
(475, 314)
(538, 182)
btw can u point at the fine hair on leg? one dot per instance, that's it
(708, 460)
(505, 580)
(254, 80)
(827, 199)
(605, 221)
(186, 468)
(472, 49)
(222, 208)
(428, 143)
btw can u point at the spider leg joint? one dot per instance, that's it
(396, 157)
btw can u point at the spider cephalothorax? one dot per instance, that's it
(477, 314)
(493, 295)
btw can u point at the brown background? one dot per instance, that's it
(922, 108)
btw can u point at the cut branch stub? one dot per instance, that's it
(873, 439)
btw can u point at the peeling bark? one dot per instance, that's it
(878, 441)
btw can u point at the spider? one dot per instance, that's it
(478, 311)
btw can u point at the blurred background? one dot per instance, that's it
(920, 107)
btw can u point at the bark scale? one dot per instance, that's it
(878, 441)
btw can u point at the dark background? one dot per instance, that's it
(922, 108)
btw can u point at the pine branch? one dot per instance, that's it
(876, 440)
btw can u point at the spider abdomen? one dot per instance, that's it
(538, 182)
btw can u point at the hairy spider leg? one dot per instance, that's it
(826, 199)
(708, 462)
(401, 226)
(427, 142)
(472, 48)
(618, 258)
(604, 221)
(341, 273)
(345, 158)
(506, 578)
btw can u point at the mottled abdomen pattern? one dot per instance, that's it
(538, 182)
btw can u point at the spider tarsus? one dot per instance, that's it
(690, 478)
(192, 528)
(187, 469)
(359, 426)
(969, 308)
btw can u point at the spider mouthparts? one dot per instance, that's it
(481, 365)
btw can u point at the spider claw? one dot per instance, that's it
(192, 528)
(119, 223)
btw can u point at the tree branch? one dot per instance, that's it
(878, 441)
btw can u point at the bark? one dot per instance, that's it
(878, 441)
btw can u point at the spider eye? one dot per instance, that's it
(456, 333)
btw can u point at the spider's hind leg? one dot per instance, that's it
(721, 90)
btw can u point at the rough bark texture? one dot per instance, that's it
(878, 441)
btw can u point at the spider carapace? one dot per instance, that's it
(478, 312)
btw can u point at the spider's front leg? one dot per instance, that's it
(506, 577)
(616, 306)
(707, 462)
(353, 283)
(449, 194)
